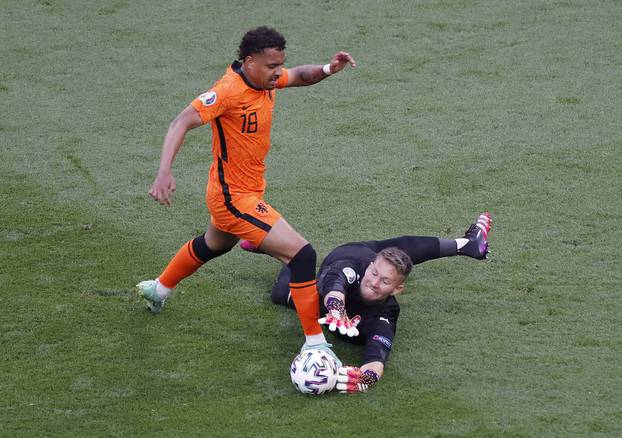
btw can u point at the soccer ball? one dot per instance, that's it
(314, 372)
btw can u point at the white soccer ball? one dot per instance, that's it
(314, 372)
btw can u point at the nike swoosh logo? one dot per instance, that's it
(385, 320)
(244, 108)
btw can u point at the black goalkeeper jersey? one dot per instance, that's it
(342, 271)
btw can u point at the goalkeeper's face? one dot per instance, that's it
(381, 280)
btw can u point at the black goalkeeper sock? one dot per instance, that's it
(448, 247)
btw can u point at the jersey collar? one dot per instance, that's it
(237, 68)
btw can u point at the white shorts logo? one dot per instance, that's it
(208, 98)
(350, 275)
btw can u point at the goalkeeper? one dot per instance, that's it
(358, 283)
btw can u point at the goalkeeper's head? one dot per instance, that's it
(386, 275)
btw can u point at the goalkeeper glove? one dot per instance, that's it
(352, 379)
(337, 318)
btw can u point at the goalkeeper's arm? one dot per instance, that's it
(377, 367)
(377, 349)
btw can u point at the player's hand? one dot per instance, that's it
(162, 188)
(352, 379)
(340, 60)
(337, 318)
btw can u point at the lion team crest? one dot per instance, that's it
(262, 209)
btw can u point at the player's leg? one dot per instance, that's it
(287, 245)
(280, 291)
(195, 253)
(190, 257)
(263, 226)
(420, 249)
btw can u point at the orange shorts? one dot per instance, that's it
(245, 216)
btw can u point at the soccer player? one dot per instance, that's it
(239, 107)
(363, 279)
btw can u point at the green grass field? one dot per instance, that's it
(456, 107)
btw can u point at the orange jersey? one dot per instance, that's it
(241, 119)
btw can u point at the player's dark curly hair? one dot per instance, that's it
(398, 258)
(256, 40)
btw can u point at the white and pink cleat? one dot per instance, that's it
(477, 234)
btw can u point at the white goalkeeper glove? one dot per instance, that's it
(337, 318)
(352, 379)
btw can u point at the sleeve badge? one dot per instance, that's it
(208, 98)
(350, 275)
(384, 341)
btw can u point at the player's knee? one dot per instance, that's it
(203, 252)
(302, 265)
(277, 295)
(304, 257)
(280, 290)
(280, 294)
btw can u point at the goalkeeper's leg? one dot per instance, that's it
(280, 291)
(420, 249)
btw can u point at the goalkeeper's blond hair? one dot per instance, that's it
(399, 259)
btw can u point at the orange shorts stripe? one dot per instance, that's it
(248, 217)
(249, 224)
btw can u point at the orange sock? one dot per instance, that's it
(307, 302)
(183, 265)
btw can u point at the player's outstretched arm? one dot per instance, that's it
(352, 379)
(337, 318)
(164, 185)
(304, 75)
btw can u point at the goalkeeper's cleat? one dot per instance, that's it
(324, 346)
(147, 291)
(247, 246)
(477, 234)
